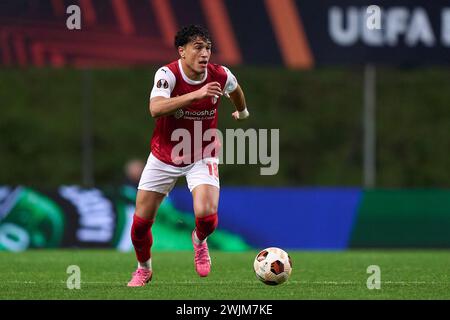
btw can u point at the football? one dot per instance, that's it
(273, 266)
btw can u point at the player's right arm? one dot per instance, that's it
(161, 104)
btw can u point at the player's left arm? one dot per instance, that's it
(238, 99)
(234, 91)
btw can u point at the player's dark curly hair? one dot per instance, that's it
(189, 33)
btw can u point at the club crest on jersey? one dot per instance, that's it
(162, 83)
(179, 113)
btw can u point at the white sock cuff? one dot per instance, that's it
(196, 239)
(145, 265)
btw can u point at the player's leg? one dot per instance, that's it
(203, 181)
(147, 204)
(156, 181)
(206, 201)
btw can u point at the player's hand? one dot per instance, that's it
(211, 89)
(235, 116)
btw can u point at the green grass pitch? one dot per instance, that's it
(41, 274)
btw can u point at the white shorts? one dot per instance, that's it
(161, 177)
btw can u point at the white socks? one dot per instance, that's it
(145, 265)
(196, 239)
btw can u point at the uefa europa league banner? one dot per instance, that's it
(295, 33)
(75, 217)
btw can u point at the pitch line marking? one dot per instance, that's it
(231, 282)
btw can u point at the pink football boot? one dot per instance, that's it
(202, 259)
(140, 277)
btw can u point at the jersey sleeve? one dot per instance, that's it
(231, 83)
(163, 84)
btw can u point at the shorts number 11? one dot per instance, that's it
(213, 169)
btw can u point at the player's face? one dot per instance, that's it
(196, 55)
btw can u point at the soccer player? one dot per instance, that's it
(185, 98)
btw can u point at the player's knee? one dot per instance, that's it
(205, 208)
(147, 212)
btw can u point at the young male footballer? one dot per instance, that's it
(184, 99)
